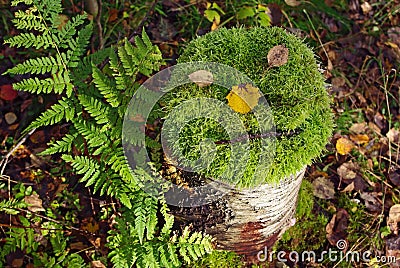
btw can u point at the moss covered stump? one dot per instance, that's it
(287, 74)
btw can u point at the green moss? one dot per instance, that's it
(295, 92)
(308, 224)
(220, 259)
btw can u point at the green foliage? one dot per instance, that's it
(308, 224)
(295, 92)
(165, 250)
(220, 259)
(95, 91)
(34, 232)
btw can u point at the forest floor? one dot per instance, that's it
(354, 185)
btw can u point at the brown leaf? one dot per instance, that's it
(8, 93)
(394, 218)
(10, 118)
(348, 188)
(344, 146)
(366, 7)
(358, 128)
(292, 3)
(323, 188)
(202, 78)
(372, 201)
(35, 202)
(393, 135)
(394, 177)
(336, 228)
(278, 56)
(347, 170)
(393, 249)
(97, 264)
(37, 137)
(17, 263)
(113, 15)
(360, 138)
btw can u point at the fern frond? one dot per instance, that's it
(144, 58)
(106, 87)
(94, 137)
(97, 109)
(67, 32)
(77, 46)
(50, 10)
(29, 20)
(64, 109)
(41, 65)
(11, 206)
(60, 146)
(16, 2)
(84, 165)
(145, 211)
(28, 40)
(57, 84)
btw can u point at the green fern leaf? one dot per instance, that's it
(64, 109)
(28, 40)
(38, 66)
(57, 84)
(98, 110)
(29, 20)
(60, 146)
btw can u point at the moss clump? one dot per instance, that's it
(295, 92)
(308, 224)
(220, 259)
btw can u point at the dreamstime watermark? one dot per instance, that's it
(183, 81)
(331, 255)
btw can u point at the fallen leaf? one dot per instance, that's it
(10, 118)
(323, 188)
(348, 188)
(393, 249)
(202, 78)
(394, 177)
(78, 246)
(37, 137)
(91, 227)
(292, 3)
(347, 170)
(243, 98)
(338, 82)
(358, 128)
(366, 7)
(278, 56)
(393, 135)
(394, 218)
(97, 264)
(17, 263)
(344, 146)
(8, 93)
(35, 203)
(371, 201)
(113, 15)
(336, 228)
(360, 138)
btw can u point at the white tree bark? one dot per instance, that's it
(258, 217)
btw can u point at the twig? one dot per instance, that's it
(3, 162)
(98, 22)
(259, 136)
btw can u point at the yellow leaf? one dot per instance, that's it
(360, 138)
(344, 146)
(243, 98)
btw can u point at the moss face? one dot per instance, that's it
(295, 91)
